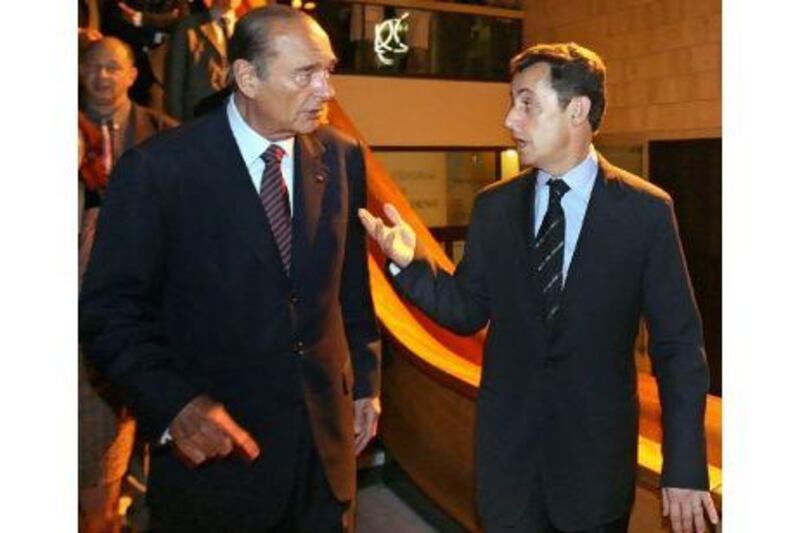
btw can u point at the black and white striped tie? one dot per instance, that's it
(275, 199)
(549, 250)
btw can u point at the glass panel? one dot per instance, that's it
(441, 185)
(398, 41)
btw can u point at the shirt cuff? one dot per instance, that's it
(166, 438)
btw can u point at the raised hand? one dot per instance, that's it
(398, 242)
(204, 430)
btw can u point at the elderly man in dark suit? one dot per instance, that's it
(227, 297)
(561, 262)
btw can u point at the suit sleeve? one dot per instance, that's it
(175, 72)
(120, 302)
(676, 349)
(355, 296)
(458, 302)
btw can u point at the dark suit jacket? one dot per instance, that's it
(185, 294)
(196, 65)
(561, 407)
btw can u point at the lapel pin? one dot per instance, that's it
(320, 178)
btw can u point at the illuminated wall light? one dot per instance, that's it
(387, 39)
(297, 4)
(310, 6)
(509, 163)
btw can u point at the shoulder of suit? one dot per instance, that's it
(514, 185)
(627, 182)
(161, 121)
(178, 138)
(330, 135)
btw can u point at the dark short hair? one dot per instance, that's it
(89, 49)
(253, 36)
(574, 71)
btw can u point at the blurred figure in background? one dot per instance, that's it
(109, 125)
(197, 60)
(146, 26)
(107, 72)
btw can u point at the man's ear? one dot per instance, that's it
(246, 77)
(578, 109)
(132, 75)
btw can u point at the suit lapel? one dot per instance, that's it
(229, 182)
(310, 183)
(520, 219)
(600, 214)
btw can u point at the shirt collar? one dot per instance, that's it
(119, 116)
(251, 144)
(580, 178)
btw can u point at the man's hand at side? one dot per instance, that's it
(685, 509)
(397, 242)
(203, 430)
(365, 413)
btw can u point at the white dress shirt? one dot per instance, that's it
(252, 145)
(580, 179)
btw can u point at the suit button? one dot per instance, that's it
(293, 299)
(298, 348)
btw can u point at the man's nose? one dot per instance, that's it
(510, 120)
(324, 86)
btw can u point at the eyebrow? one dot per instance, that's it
(520, 92)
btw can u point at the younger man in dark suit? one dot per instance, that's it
(228, 297)
(561, 262)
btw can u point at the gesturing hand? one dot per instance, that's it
(685, 509)
(397, 242)
(204, 429)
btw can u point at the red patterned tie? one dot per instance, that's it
(275, 199)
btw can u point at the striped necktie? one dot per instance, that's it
(549, 250)
(275, 199)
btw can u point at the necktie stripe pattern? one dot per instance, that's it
(549, 249)
(275, 200)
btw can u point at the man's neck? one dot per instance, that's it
(247, 115)
(573, 159)
(111, 111)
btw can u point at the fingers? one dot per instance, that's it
(241, 438)
(675, 516)
(393, 214)
(367, 220)
(204, 430)
(710, 508)
(687, 515)
(367, 411)
(697, 516)
(664, 502)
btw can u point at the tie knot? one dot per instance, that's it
(558, 188)
(273, 154)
